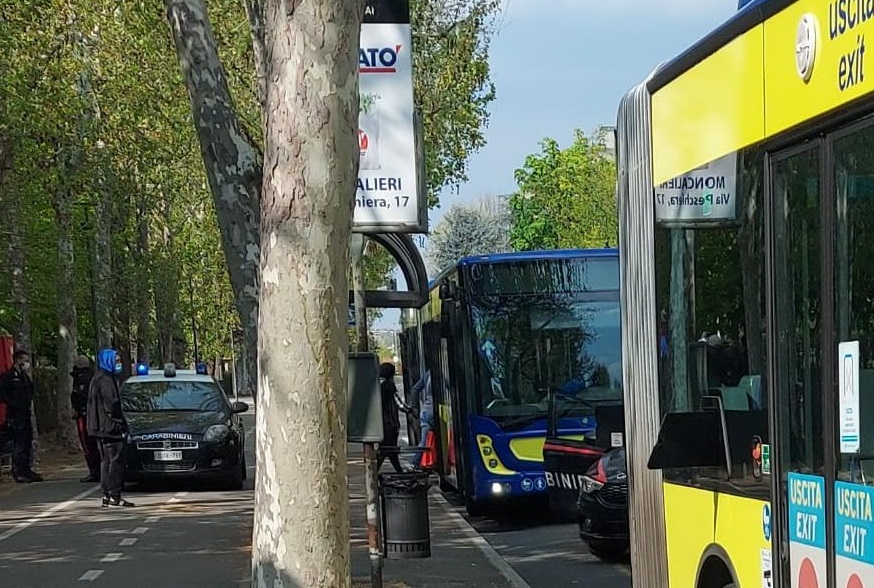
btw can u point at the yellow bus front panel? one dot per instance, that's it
(697, 519)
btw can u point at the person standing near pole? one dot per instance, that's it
(107, 424)
(82, 373)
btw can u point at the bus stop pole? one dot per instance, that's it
(370, 450)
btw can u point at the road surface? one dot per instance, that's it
(546, 555)
(56, 535)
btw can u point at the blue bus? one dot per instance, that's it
(499, 334)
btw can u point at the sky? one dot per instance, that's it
(561, 65)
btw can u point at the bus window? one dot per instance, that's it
(711, 318)
(527, 343)
(854, 286)
(796, 186)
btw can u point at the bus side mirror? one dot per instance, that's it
(689, 440)
(447, 290)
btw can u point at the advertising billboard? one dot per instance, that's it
(389, 196)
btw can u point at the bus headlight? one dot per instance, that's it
(499, 488)
(490, 457)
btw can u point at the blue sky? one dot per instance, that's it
(559, 65)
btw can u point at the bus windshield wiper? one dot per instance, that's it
(525, 419)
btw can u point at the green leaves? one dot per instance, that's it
(451, 83)
(139, 154)
(566, 197)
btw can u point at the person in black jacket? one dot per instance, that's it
(107, 424)
(16, 392)
(82, 373)
(391, 425)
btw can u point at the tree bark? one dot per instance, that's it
(68, 331)
(68, 339)
(166, 271)
(301, 532)
(144, 290)
(230, 157)
(21, 325)
(102, 290)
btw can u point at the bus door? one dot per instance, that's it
(852, 195)
(796, 294)
(822, 296)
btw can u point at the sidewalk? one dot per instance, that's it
(459, 556)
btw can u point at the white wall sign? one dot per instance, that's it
(848, 389)
(705, 194)
(388, 197)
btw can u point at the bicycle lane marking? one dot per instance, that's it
(46, 513)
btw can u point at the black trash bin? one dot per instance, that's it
(406, 523)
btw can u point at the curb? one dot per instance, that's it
(493, 557)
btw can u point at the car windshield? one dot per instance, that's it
(529, 344)
(176, 395)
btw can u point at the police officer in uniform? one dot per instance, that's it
(16, 392)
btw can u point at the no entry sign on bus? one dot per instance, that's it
(389, 197)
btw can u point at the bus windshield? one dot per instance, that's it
(529, 344)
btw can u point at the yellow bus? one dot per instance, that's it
(746, 202)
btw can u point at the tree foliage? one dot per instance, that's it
(94, 126)
(566, 197)
(136, 197)
(451, 84)
(478, 228)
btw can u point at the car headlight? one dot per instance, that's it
(590, 485)
(217, 433)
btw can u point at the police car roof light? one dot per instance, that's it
(169, 370)
(200, 368)
(142, 369)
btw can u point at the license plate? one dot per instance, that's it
(168, 456)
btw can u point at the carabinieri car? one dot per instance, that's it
(182, 425)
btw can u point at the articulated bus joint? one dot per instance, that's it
(715, 569)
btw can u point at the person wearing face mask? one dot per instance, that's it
(107, 424)
(16, 392)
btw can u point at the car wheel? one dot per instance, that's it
(610, 552)
(235, 480)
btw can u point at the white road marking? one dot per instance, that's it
(128, 541)
(46, 513)
(140, 530)
(494, 558)
(152, 519)
(181, 494)
(111, 557)
(91, 575)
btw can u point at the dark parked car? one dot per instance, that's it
(182, 425)
(603, 507)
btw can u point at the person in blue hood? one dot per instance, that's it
(107, 424)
